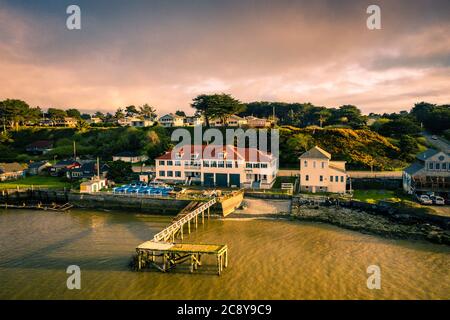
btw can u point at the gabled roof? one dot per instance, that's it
(37, 164)
(172, 115)
(414, 168)
(11, 167)
(315, 153)
(427, 154)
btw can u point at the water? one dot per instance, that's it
(269, 259)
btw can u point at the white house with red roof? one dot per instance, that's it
(219, 166)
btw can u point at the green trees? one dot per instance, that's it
(56, 114)
(147, 112)
(74, 113)
(14, 112)
(220, 106)
(435, 118)
(119, 171)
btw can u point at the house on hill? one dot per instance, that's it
(61, 167)
(129, 156)
(38, 167)
(319, 174)
(430, 173)
(11, 171)
(172, 120)
(39, 147)
(88, 170)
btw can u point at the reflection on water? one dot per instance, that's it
(268, 260)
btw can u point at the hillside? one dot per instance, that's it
(360, 148)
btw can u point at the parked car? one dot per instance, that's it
(424, 199)
(438, 200)
(434, 137)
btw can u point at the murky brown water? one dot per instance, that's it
(268, 260)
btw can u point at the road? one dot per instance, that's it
(439, 143)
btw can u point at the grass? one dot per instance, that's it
(35, 181)
(373, 196)
(280, 180)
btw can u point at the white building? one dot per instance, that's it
(192, 121)
(221, 166)
(319, 174)
(94, 185)
(128, 156)
(232, 121)
(171, 120)
(430, 173)
(138, 123)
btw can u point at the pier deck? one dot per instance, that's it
(165, 256)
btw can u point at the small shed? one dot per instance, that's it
(91, 186)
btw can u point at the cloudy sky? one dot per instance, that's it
(166, 52)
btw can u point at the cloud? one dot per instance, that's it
(165, 53)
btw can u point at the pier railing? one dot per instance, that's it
(167, 232)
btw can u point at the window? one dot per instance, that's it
(337, 179)
(161, 163)
(307, 177)
(314, 164)
(248, 165)
(221, 155)
(331, 178)
(264, 165)
(206, 164)
(323, 165)
(169, 162)
(305, 164)
(162, 173)
(256, 165)
(177, 163)
(444, 166)
(213, 164)
(321, 178)
(221, 164)
(178, 174)
(229, 164)
(430, 166)
(170, 173)
(342, 178)
(438, 166)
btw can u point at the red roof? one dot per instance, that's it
(211, 152)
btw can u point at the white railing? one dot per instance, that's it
(168, 231)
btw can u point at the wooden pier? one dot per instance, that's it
(188, 215)
(165, 256)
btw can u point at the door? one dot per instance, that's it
(208, 179)
(221, 180)
(235, 180)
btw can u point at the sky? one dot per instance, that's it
(165, 53)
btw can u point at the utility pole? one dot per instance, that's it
(74, 150)
(98, 168)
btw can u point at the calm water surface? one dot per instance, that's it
(269, 259)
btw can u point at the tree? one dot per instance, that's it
(13, 112)
(180, 113)
(408, 147)
(300, 143)
(82, 125)
(351, 115)
(119, 171)
(119, 114)
(131, 111)
(220, 106)
(56, 114)
(99, 115)
(147, 112)
(74, 113)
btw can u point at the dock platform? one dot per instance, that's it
(165, 256)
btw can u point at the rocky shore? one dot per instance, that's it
(391, 224)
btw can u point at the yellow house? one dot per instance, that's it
(319, 174)
(91, 186)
